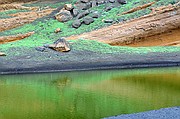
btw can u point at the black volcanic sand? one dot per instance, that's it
(20, 60)
(166, 113)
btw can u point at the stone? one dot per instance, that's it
(75, 12)
(63, 16)
(122, 1)
(95, 15)
(76, 24)
(84, 1)
(87, 6)
(108, 8)
(108, 21)
(41, 49)
(2, 54)
(112, 1)
(121, 19)
(88, 20)
(83, 14)
(68, 7)
(60, 45)
(57, 30)
(93, 3)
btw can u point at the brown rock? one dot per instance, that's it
(57, 30)
(68, 7)
(60, 45)
(63, 16)
(2, 54)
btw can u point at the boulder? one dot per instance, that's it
(88, 20)
(68, 7)
(83, 14)
(63, 16)
(60, 45)
(2, 54)
(122, 1)
(76, 24)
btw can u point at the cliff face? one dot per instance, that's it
(10, 1)
(162, 22)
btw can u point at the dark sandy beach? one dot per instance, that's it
(32, 61)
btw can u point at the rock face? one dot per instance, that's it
(63, 16)
(2, 54)
(60, 45)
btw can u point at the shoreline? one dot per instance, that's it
(84, 67)
(163, 113)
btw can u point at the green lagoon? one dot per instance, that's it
(88, 94)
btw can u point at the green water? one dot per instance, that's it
(89, 94)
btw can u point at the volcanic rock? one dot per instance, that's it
(76, 24)
(60, 45)
(83, 14)
(108, 21)
(88, 20)
(2, 54)
(63, 16)
(68, 7)
(41, 49)
(57, 30)
(122, 1)
(75, 12)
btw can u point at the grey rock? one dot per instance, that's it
(108, 21)
(83, 14)
(122, 1)
(111, 1)
(95, 15)
(87, 6)
(108, 8)
(84, 1)
(94, 3)
(76, 24)
(75, 12)
(41, 49)
(88, 20)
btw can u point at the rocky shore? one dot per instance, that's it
(165, 113)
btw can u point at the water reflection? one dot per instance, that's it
(88, 95)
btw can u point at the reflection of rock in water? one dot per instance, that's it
(63, 82)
